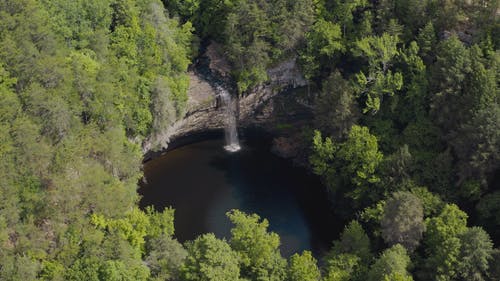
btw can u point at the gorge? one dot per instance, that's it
(205, 172)
(255, 140)
(203, 181)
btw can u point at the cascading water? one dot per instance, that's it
(232, 141)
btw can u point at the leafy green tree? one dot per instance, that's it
(392, 264)
(353, 240)
(449, 74)
(494, 266)
(84, 269)
(323, 155)
(488, 210)
(396, 170)
(353, 162)
(411, 13)
(210, 259)
(257, 248)
(52, 271)
(343, 12)
(323, 41)
(248, 50)
(303, 267)
(432, 204)
(427, 41)
(118, 270)
(464, 84)
(443, 243)
(290, 22)
(335, 109)
(165, 258)
(164, 111)
(402, 222)
(186, 9)
(380, 52)
(212, 17)
(75, 86)
(481, 104)
(343, 267)
(475, 254)
(413, 103)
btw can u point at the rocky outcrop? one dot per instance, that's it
(204, 110)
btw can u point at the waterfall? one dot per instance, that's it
(232, 142)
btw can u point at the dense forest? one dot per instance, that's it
(405, 135)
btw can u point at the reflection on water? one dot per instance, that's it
(202, 182)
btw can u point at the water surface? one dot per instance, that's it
(202, 181)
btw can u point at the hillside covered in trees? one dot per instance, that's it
(405, 135)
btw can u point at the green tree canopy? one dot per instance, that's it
(258, 249)
(303, 268)
(210, 259)
(402, 222)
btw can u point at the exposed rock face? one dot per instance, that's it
(204, 110)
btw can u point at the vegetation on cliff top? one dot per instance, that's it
(407, 116)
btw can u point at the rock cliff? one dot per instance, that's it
(204, 111)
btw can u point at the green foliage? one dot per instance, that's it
(342, 267)
(255, 33)
(380, 52)
(84, 269)
(372, 216)
(360, 153)
(431, 203)
(165, 258)
(354, 241)
(210, 259)
(84, 83)
(392, 265)
(413, 104)
(475, 254)
(402, 222)
(258, 249)
(335, 109)
(396, 169)
(342, 12)
(303, 268)
(494, 266)
(450, 72)
(136, 226)
(184, 8)
(323, 41)
(353, 162)
(76, 83)
(427, 42)
(464, 82)
(489, 207)
(443, 242)
(324, 154)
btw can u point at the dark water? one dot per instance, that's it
(202, 182)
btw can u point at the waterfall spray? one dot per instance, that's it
(231, 133)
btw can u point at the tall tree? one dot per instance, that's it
(303, 267)
(210, 259)
(392, 265)
(443, 243)
(380, 79)
(353, 240)
(353, 162)
(323, 42)
(335, 109)
(402, 222)
(257, 248)
(475, 254)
